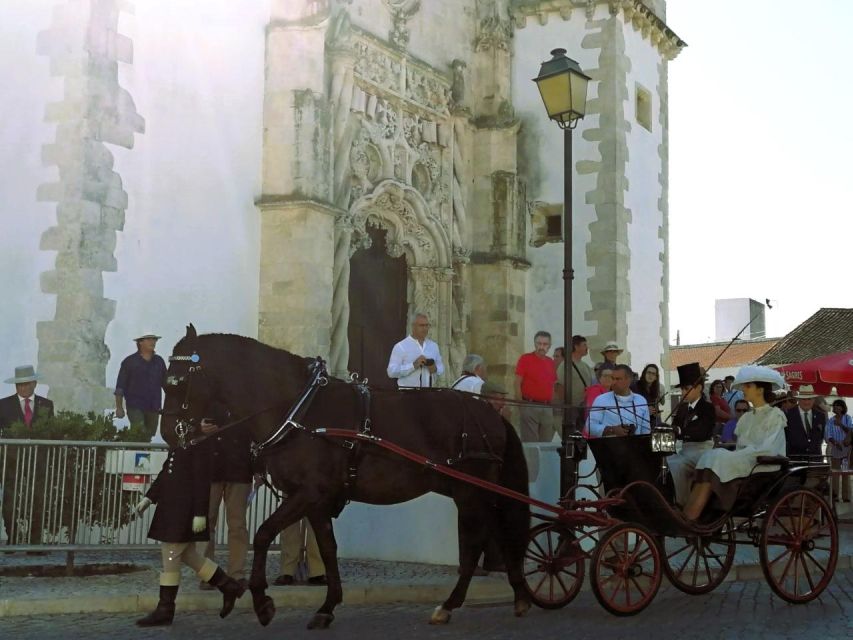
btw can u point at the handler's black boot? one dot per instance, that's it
(230, 588)
(165, 611)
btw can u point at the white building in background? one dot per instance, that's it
(310, 171)
(731, 315)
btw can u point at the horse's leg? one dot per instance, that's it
(473, 530)
(322, 525)
(290, 511)
(511, 525)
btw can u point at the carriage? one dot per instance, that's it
(465, 450)
(633, 536)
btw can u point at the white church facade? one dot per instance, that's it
(311, 172)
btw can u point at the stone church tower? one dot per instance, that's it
(408, 165)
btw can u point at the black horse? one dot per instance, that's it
(312, 470)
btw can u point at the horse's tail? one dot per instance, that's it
(514, 515)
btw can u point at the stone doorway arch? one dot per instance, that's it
(411, 231)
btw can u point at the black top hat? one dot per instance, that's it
(689, 374)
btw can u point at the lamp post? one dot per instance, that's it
(563, 87)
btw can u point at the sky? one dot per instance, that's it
(760, 175)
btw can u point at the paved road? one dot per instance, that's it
(735, 610)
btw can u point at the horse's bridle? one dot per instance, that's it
(183, 426)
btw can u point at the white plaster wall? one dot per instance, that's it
(27, 88)
(532, 46)
(642, 198)
(188, 251)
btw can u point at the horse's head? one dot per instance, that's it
(189, 391)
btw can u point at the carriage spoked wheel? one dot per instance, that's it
(625, 571)
(699, 563)
(799, 546)
(554, 566)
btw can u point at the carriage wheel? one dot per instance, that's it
(554, 566)
(699, 564)
(799, 546)
(625, 571)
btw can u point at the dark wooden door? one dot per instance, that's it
(378, 308)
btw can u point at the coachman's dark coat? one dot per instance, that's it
(181, 492)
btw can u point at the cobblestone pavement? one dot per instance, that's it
(734, 610)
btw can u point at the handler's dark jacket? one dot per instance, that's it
(181, 492)
(10, 410)
(231, 459)
(696, 424)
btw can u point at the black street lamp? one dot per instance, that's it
(563, 86)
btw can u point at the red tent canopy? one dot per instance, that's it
(835, 370)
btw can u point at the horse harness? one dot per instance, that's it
(317, 379)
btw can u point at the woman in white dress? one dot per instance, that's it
(761, 432)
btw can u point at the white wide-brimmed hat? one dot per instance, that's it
(756, 373)
(805, 392)
(24, 373)
(612, 346)
(149, 334)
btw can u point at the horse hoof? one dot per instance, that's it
(440, 616)
(521, 608)
(321, 621)
(265, 610)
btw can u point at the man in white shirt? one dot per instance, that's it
(415, 361)
(619, 412)
(473, 374)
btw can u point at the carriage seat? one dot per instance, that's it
(784, 461)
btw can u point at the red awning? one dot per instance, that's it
(835, 370)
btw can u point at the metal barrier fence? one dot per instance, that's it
(80, 495)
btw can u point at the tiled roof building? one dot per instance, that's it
(827, 331)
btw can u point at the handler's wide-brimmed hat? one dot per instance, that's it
(612, 346)
(689, 374)
(24, 373)
(805, 392)
(756, 373)
(149, 334)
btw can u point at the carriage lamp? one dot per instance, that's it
(663, 440)
(563, 87)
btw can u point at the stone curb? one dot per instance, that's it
(491, 589)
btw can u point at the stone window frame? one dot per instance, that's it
(643, 106)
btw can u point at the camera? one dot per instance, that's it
(429, 362)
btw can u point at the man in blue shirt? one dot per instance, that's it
(619, 412)
(139, 385)
(731, 395)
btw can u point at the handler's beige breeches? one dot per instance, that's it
(175, 553)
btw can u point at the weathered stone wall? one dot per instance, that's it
(85, 48)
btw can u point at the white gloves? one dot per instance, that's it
(143, 505)
(199, 524)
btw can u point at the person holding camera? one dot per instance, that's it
(619, 412)
(416, 361)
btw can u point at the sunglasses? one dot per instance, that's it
(741, 410)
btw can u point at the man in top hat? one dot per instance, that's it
(804, 433)
(24, 405)
(610, 352)
(139, 385)
(694, 421)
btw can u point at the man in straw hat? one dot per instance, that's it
(805, 425)
(139, 385)
(610, 352)
(26, 407)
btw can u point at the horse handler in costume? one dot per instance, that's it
(761, 432)
(182, 495)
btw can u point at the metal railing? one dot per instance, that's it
(71, 496)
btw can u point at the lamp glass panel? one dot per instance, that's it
(579, 88)
(556, 94)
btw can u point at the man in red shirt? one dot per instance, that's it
(534, 382)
